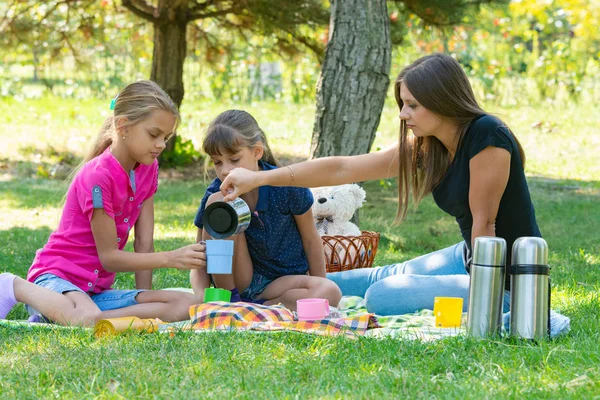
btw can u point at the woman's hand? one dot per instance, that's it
(238, 182)
(189, 257)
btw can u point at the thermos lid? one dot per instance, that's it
(530, 250)
(489, 251)
(220, 220)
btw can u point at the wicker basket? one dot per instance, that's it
(343, 253)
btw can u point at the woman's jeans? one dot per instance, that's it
(409, 286)
(412, 285)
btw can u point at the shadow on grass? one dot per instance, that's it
(57, 165)
(567, 212)
(19, 246)
(29, 193)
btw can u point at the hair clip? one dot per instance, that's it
(112, 102)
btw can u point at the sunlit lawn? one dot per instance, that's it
(560, 140)
(561, 144)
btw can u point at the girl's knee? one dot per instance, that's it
(77, 317)
(330, 291)
(181, 307)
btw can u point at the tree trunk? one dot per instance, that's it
(168, 58)
(354, 78)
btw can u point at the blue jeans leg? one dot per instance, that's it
(409, 286)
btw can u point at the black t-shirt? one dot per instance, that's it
(516, 216)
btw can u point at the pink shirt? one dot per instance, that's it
(71, 251)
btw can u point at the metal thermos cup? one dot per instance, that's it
(530, 289)
(486, 289)
(223, 219)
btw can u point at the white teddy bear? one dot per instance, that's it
(334, 206)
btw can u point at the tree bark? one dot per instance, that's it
(354, 78)
(169, 56)
(170, 48)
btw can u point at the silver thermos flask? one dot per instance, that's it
(224, 219)
(486, 289)
(530, 289)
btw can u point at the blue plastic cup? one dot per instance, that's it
(219, 256)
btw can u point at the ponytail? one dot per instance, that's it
(268, 156)
(103, 140)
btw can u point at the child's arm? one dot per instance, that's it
(199, 279)
(243, 269)
(312, 243)
(242, 263)
(114, 260)
(144, 241)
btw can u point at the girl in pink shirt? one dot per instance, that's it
(70, 279)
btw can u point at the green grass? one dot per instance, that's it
(560, 140)
(563, 176)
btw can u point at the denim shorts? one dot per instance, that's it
(107, 300)
(258, 284)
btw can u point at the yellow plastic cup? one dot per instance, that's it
(448, 312)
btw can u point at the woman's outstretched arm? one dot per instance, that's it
(326, 171)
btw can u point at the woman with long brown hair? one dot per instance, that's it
(469, 160)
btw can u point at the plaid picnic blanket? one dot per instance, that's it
(354, 321)
(228, 317)
(415, 326)
(224, 316)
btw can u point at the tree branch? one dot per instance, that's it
(424, 11)
(71, 47)
(200, 7)
(142, 9)
(307, 43)
(5, 22)
(211, 41)
(211, 14)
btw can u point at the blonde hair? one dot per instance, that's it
(232, 130)
(134, 104)
(439, 84)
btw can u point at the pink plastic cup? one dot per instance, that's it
(312, 309)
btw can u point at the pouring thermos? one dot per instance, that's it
(486, 289)
(223, 219)
(530, 289)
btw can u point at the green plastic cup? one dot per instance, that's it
(216, 294)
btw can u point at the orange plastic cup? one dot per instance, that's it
(448, 312)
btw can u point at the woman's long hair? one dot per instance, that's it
(439, 84)
(231, 131)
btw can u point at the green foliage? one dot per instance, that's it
(183, 153)
(50, 162)
(526, 52)
(96, 42)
